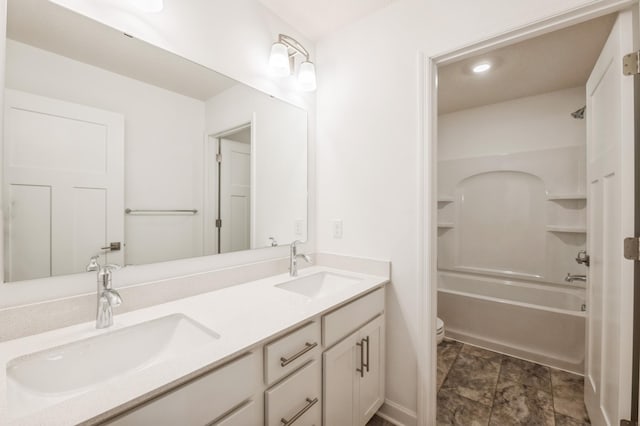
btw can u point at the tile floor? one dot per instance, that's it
(377, 421)
(479, 387)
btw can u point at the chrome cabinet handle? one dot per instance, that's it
(362, 364)
(366, 365)
(307, 347)
(292, 420)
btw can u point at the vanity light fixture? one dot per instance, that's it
(481, 67)
(282, 62)
(149, 6)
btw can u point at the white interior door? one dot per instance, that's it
(66, 201)
(340, 389)
(235, 191)
(610, 219)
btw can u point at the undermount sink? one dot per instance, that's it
(319, 285)
(71, 368)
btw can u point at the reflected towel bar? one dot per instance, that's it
(154, 211)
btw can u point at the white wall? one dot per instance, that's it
(485, 153)
(163, 144)
(279, 193)
(525, 124)
(369, 143)
(3, 32)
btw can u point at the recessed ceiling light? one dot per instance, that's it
(481, 67)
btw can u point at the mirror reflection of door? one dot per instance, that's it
(234, 191)
(64, 204)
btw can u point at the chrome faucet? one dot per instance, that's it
(571, 278)
(293, 258)
(108, 298)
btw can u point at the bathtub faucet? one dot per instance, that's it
(571, 278)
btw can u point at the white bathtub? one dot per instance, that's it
(537, 322)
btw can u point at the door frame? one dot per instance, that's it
(428, 167)
(211, 194)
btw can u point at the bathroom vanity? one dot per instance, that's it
(307, 350)
(208, 332)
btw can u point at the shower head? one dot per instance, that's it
(579, 114)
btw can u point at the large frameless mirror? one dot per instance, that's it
(118, 149)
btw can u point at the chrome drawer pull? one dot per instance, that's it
(362, 363)
(307, 347)
(366, 365)
(310, 403)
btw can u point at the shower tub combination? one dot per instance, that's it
(528, 320)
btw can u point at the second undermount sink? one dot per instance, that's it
(76, 366)
(319, 285)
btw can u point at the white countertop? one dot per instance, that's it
(244, 316)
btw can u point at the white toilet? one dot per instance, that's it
(439, 330)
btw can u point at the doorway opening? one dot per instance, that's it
(525, 188)
(229, 189)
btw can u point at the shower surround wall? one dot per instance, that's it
(511, 205)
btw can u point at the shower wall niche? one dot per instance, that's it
(511, 194)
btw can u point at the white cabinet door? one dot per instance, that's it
(354, 376)
(340, 390)
(371, 384)
(247, 415)
(202, 400)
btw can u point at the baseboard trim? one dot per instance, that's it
(397, 414)
(516, 352)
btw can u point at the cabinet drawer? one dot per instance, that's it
(346, 320)
(246, 415)
(297, 397)
(290, 352)
(201, 400)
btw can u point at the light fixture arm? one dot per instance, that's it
(294, 45)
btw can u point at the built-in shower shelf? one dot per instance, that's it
(561, 197)
(445, 199)
(567, 229)
(445, 225)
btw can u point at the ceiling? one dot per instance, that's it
(47, 26)
(316, 19)
(554, 61)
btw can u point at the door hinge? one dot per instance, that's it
(632, 248)
(631, 63)
(219, 158)
(218, 223)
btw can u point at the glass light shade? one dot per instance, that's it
(307, 76)
(279, 60)
(150, 6)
